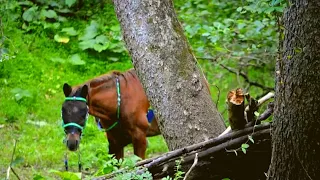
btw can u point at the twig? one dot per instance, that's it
(15, 173)
(218, 96)
(245, 77)
(10, 166)
(193, 165)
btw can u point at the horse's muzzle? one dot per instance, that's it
(73, 141)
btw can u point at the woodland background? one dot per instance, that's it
(44, 44)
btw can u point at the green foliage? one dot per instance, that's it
(179, 174)
(244, 148)
(69, 3)
(107, 163)
(44, 44)
(67, 175)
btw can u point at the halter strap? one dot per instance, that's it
(72, 124)
(74, 98)
(118, 105)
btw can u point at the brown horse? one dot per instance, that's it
(120, 105)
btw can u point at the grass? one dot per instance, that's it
(34, 119)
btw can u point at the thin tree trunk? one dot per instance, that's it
(296, 133)
(168, 71)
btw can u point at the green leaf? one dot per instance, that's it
(30, 14)
(245, 146)
(99, 47)
(18, 160)
(50, 25)
(102, 39)
(61, 39)
(87, 44)
(49, 13)
(70, 31)
(62, 19)
(251, 139)
(244, 150)
(206, 34)
(90, 31)
(107, 169)
(239, 9)
(69, 3)
(76, 60)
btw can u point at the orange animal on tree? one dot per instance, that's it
(119, 104)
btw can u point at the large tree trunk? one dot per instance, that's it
(168, 71)
(296, 133)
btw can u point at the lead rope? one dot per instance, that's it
(79, 160)
(66, 160)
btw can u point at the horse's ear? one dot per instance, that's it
(84, 91)
(67, 89)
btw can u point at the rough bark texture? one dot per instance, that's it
(168, 71)
(296, 133)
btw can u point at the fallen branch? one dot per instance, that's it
(205, 144)
(216, 157)
(214, 152)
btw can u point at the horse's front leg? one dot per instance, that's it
(139, 142)
(115, 148)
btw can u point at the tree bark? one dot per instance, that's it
(168, 71)
(296, 132)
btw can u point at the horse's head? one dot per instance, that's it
(74, 114)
